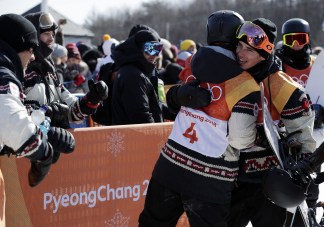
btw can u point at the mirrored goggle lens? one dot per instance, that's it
(256, 37)
(46, 21)
(301, 38)
(153, 48)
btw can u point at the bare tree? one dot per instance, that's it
(189, 21)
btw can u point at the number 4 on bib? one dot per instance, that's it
(190, 133)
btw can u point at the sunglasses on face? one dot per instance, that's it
(46, 21)
(290, 38)
(153, 48)
(255, 36)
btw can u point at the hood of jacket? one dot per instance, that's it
(131, 52)
(214, 65)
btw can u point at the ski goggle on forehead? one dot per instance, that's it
(153, 48)
(46, 21)
(290, 39)
(255, 36)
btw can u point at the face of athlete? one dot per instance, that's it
(247, 56)
(47, 38)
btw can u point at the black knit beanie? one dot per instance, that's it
(18, 32)
(270, 29)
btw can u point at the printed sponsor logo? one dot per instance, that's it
(103, 193)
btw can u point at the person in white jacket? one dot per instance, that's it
(19, 135)
(108, 46)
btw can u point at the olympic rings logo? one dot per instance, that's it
(216, 92)
(302, 79)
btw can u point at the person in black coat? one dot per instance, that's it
(134, 99)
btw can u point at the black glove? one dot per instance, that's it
(308, 165)
(305, 166)
(167, 113)
(61, 140)
(39, 169)
(261, 138)
(313, 162)
(319, 115)
(290, 142)
(188, 95)
(7, 151)
(97, 92)
(58, 112)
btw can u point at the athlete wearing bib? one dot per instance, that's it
(197, 167)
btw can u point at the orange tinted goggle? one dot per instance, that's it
(255, 36)
(290, 38)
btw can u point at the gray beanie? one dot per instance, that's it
(59, 51)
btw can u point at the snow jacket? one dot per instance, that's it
(287, 102)
(199, 159)
(42, 84)
(18, 135)
(134, 99)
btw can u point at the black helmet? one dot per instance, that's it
(278, 186)
(222, 26)
(295, 25)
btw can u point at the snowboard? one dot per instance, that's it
(273, 138)
(314, 85)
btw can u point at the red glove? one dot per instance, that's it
(78, 80)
